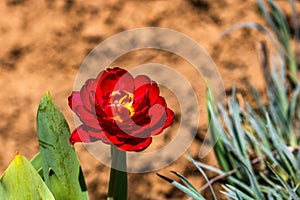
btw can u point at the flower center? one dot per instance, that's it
(120, 99)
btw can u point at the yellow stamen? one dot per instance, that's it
(126, 101)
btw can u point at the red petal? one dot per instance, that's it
(158, 116)
(140, 96)
(142, 87)
(108, 111)
(153, 93)
(87, 94)
(108, 80)
(114, 139)
(108, 84)
(74, 100)
(158, 130)
(84, 115)
(85, 134)
(161, 118)
(161, 101)
(99, 99)
(87, 117)
(140, 117)
(136, 144)
(115, 134)
(116, 71)
(170, 118)
(126, 82)
(141, 80)
(143, 132)
(75, 137)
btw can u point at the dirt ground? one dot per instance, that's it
(42, 44)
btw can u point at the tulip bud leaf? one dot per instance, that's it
(21, 181)
(60, 166)
(2, 192)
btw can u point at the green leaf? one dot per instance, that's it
(186, 190)
(218, 136)
(288, 165)
(56, 186)
(37, 164)
(238, 133)
(203, 174)
(235, 193)
(57, 155)
(283, 182)
(2, 192)
(186, 182)
(21, 181)
(253, 181)
(293, 104)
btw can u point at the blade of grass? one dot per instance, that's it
(216, 132)
(194, 195)
(269, 19)
(291, 192)
(186, 182)
(296, 26)
(276, 141)
(233, 191)
(293, 102)
(223, 175)
(251, 176)
(256, 123)
(204, 175)
(238, 133)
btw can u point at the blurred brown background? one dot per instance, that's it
(42, 44)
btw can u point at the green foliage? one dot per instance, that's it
(264, 139)
(279, 25)
(57, 158)
(187, 187)
(54, 173)
(21, 181)
(258, 146)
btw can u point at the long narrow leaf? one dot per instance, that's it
(204, 175)
(194, 195)
(186, 182)
(291, 192)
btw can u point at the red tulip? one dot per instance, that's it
(120, 110)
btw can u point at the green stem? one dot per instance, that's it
(118, 176)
